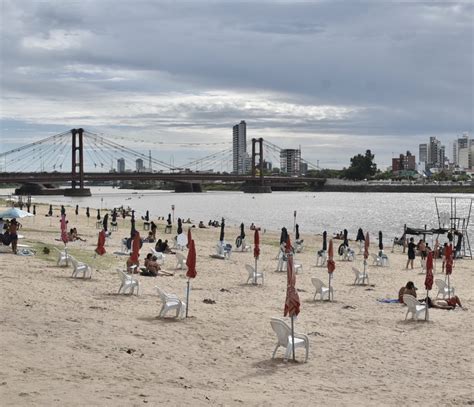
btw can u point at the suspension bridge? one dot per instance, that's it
(79, 157)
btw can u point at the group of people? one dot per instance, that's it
(72, 236)
(9, 233)
(423, 249)
(448, 304)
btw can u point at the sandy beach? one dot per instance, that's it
(76, 342)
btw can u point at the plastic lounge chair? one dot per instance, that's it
(128, 283)
(181, 261)
(253, 277)
(443, 289)
(321, 289)
(170, 302)
(414, 307)
(360, 276)
(80, 267)
(284, 339)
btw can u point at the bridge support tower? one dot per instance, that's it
(77, 172)
(256, 185)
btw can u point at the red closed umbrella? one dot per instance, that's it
(136, 242)
(256, 250)
(64, 236)
(191, 263)
(366, 254)
(449, 265)
(292, 301)
(428, 279)
(100, 249)
(190, 237)
(331, 264)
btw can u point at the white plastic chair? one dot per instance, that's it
(160, 256)
(181, 261)
(360, 276)
(283, 263)
(348, 254)
(414, 307)
(321, 258)
(128, 283)
(253, 277)
(377, 260)
(64, 259)
(443, 289)
(224, 250)
(244, 247)
(299, 246)
(170, 302)
(284, 339)
(321, 289)
(80, 267)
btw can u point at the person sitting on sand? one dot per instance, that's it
(440, 303)
(149, 238)
(163, 247)
(202, 225)
(76, 235)
(252, 226)
(408, 289)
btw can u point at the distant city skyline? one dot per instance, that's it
(336, 78)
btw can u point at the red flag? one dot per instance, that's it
(256, 244)
(191, 260)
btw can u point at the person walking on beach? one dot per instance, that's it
(13, 228)
(411, 253)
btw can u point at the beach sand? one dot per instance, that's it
(75, 342)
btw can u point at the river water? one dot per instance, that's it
(315, 212)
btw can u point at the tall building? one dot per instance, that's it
(121, 165)
(460, 143)
(140, 166)
(239, 148)
(290, 161)
(423, 153)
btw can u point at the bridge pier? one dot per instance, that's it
(77, 164)
(187, 187)
(255, 187)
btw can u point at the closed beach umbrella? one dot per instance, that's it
(325, 240)
(34, 209)
(449, 265)
(297, 232)
(292, 301)
(428, 279)
(147, 215)
(105, 222)
(100, 249)
(191, 273)
(221, 237)
(366, 254)
(242, 231)
(88, 214)
(283, 236)
(256, 250)
(114, 216)
(169, 219)
(132, 226)
(380, 240)
(63, 224)
(63, 210)
(180, 227)
(190, 237)
(331, 264)
(77, 210)
(360, 235)
(98, 214)
(50, 212)
(136, 243)
(28, 206)
(346, 241)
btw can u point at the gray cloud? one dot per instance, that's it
(377, 74)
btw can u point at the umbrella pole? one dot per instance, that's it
(65, 251)
(293, 337)
(365, 267)
(255, 274)
(187, 298)
(449, 288)
(329, 295)
(426, 306)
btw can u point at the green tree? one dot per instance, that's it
(362, 166)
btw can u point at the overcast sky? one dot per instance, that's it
(335, 77)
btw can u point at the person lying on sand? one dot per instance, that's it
(448, 304)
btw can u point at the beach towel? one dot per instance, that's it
(388, 300)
